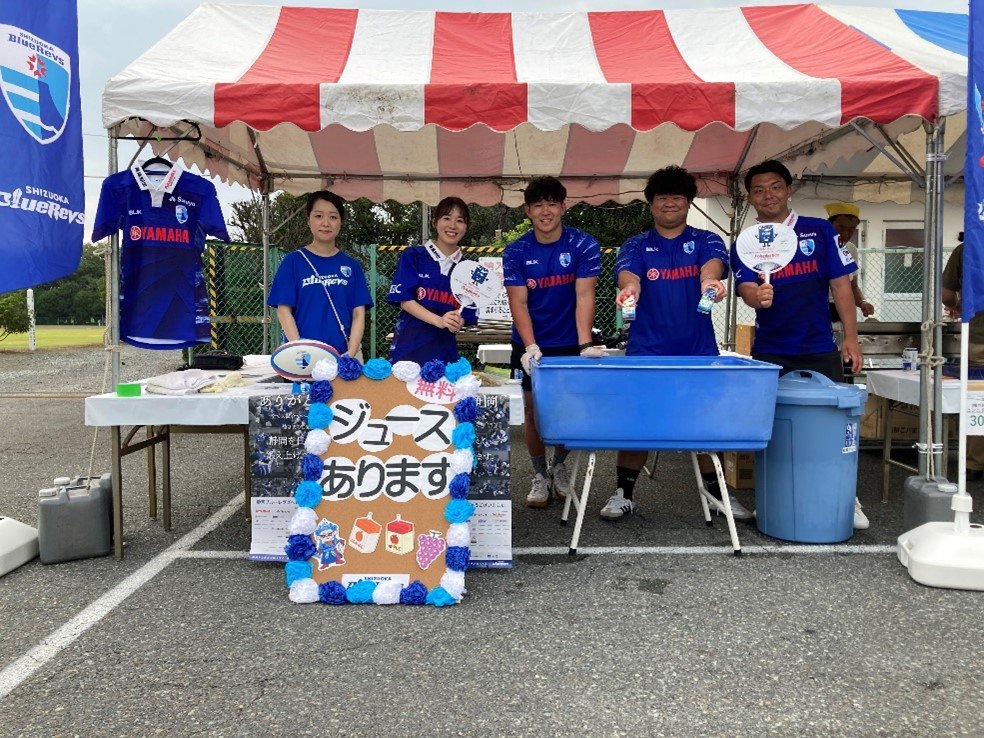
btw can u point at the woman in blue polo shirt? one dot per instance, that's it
(421, 286)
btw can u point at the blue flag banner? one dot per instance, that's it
(972, 286)
(42, 199)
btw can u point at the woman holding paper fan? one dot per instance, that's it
(430, 314)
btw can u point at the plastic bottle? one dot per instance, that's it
(628, 309)
(707, 301)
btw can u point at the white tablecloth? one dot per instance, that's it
(494, 353)
(903, 386)
(226, 408)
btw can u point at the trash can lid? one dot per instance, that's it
(804, 387)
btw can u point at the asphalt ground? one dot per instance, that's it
(688, 641)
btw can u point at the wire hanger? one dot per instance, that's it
(157, 160)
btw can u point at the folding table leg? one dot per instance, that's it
(166, 482)
(151, 476)
(886, 446)
(573, 480)
(116, 454)
(651, 470)
(724, 504)
(701, 491)
(248, 482)
(582, 503)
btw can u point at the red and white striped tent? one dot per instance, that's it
(416, 105)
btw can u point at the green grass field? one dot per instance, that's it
(56, 336)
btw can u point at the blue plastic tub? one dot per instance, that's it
(806, 479)
(677, 403)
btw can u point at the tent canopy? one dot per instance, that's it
(417, 105)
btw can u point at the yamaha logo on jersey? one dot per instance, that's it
(181, 213)
(807, 246)
(565, 259)
(652, 274)
(36, 78)
(689, 247)
(530, 284)
(421, 293)
(346, 271)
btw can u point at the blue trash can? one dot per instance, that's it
(806, 478)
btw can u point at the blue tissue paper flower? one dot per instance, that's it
(466, 410)
(349, 369)
(440, 597)
(457, 370)
(459, 486)
(377, 369)
(463, 436)
(360, 593)
(308, 494)
(299, 548)
(321, 391)
(312, 467)
(319, 415)
(432, 371)
(413, 594)
(332, 593)
(295, 570)
(458, 511)
(456, 557)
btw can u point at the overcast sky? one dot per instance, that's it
(113, 33)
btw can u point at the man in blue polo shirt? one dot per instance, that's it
(665, 270)
(792, 319)
(549, 274)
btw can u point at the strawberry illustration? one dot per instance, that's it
(429, 547)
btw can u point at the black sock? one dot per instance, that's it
(560, 455)
(626, 480)
(712, 484)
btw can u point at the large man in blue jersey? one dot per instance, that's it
(665, 270)
(550, 274)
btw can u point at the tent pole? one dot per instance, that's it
(265, 237)
(425, 217)
(934, 141)
(731, 303)
(937, 244)
(114, 272)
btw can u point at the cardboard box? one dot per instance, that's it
(905, 422)
(739, 469)
(744, 335)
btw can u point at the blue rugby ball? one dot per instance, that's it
(295, 360)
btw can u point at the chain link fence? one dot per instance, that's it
(890, 278)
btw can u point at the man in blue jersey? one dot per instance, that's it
(792, 318)
(550, 274)
(665, 270)
(165, 214)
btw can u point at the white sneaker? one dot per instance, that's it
(617, 506)
(860, 519)
(739, 511)
(560, 481)
(539, 495)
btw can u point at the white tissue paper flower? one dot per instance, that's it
(467, 386)
(406, 371)
(304, 521)
(462, 461)
(454, 583)
(303, 591)
(387, 593)
(325, 370)
(459, 535)
(317, 442)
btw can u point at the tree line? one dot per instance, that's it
(80, 298)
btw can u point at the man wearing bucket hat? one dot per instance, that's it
(845, 217)
(665, 270)
(793, 327)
